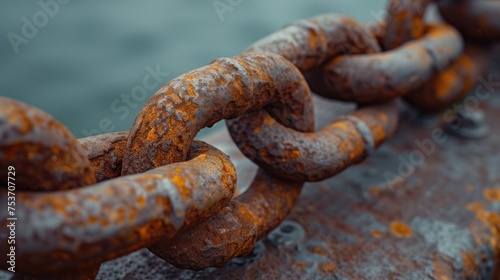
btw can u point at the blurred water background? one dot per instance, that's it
(88, 54)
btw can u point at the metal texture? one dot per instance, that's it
(405, 22)
(182, 207)
(227, 88)
(51, 157)
(78, 229)
(105, 153)
(310, 43)
(476, 20)
(235, 230)
(294, 155)
(392, 73)
(313, 156)
(452, 84)
(447, 86)
(246, 219)
(439, 222)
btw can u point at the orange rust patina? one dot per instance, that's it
(235, 230)
(404, 22)
(310, 43)
(490, 232)
(470, 265)
(224, 89)
(492, 194)
(454, 78)
(50, 157)
(324, 153)
(75, 229)
(452, 84)
(338, 215)
(105, 153)
(401, 230)
(183, 211)
(391, 74)
(376, 233)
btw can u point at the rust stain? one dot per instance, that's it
(401, 230)
(491, 220)
(376, 233)
(470, 265)
(441, 271)
(318, 251)
(326, 267)
(301, 265)
(492, 194)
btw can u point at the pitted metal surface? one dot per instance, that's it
(162, 132)
(79, 229)
(51, 157)
(313, 156)
(394, 73)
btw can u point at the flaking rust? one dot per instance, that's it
(81, 228)
(181, 207)
(313, 42)
(452, 84)
(405, 22)
(50, 156)
(225, 89)
(235, 230)
(317, 155)
(105, 153)
(440, 223)
(390, 74)
(453, 79)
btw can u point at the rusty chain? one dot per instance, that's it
(90, 200)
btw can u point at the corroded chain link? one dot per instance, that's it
(90, 200)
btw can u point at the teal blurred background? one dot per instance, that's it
(87, 54)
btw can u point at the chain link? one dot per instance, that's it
(476, 20)
(94, 199)
(51, 157)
